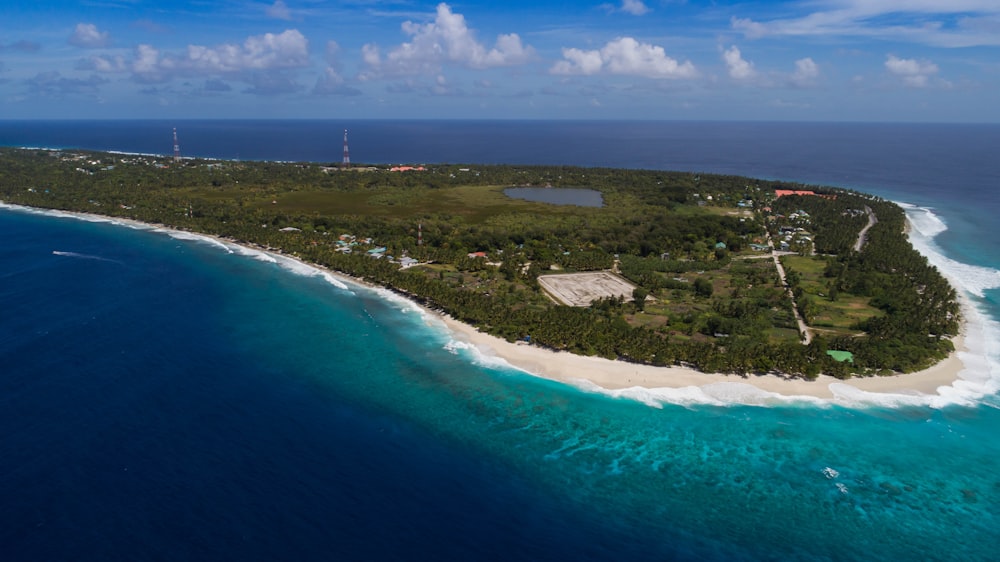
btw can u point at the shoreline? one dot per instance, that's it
(597, 373)
(620, 378)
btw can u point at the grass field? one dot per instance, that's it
(475, 204)
(836, 317)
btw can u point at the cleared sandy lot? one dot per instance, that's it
(579, 289)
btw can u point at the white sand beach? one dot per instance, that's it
(616, 375)
(591, 372)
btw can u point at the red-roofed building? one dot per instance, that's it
(784, 192)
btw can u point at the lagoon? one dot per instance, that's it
(557, 195)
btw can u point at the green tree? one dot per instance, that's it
(703, 287)
(640, 294)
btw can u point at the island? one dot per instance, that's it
(720, 274)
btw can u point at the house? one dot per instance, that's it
(474, 255)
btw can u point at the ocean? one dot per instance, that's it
(164, 396)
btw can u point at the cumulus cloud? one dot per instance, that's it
(331, 82)
(289, 49)
(104, 64)
(739, 69)
(87, 35)
(913, 72)
(634, 7)
(623, 56)
(806, 72)
(446, 40)
(260, 53)
(279, 10)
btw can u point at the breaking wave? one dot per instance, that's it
(925, 225)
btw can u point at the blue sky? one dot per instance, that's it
(810, 60)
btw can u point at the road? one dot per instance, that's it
(862, 236)
(804, 332)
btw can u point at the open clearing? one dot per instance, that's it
(579, 289)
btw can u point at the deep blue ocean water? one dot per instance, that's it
(166, 397)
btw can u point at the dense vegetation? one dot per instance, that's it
(707, 291)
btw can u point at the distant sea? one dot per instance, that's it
(166, 397)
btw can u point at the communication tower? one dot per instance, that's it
(177, 147)
(347, 154)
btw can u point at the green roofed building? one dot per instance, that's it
(841, 355)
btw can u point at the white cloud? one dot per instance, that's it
(333, 53)
(577, 61)
(634, 7)
(260, 54)
(332, 81)
(106, 64)
(806, 71)
(915, 73)
(87, 35)
(624, 56)
(446, 40)
(279, 10)
(147, 60)
(945, 23)
(739, 69)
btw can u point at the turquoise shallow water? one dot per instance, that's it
(175, 398)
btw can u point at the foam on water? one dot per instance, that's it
(401, 303)
(925, 226)
(57, 214)
(481, 357)
(981, 375)
(712, 394)
(299, 267)
(192, 237)
(258, 255)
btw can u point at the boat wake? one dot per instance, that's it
(84, 256)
